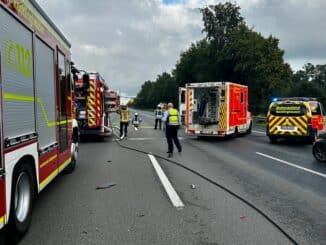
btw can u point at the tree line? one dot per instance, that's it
(232, 51)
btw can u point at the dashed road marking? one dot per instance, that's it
(173, 195)
(292, 164)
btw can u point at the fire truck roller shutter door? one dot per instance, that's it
(44, 82)
(17, 77)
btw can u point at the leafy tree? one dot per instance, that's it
(233, 52)
(310, 81)
(163, 89)
(220, 21)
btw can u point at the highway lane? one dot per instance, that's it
(137, 210)
(293, 197)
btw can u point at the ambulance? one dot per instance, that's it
(215, 109)
(297, 117)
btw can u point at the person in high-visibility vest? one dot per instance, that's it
(124, 120)
(172, 123)
(158, 117)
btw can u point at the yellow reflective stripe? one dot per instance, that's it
(2, 219)
(54, 173)
(48, 179)
(48, 161)
(24, 98)
(64, 164)
(18, 97)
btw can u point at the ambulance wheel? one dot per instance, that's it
(22, 194)
(239, 134)
(250, 128)
(272, 139)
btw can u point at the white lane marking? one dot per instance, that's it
(142, 139)
(173, 195)
(292, 165)
(259, 132)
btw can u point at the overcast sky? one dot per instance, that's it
(130, 41)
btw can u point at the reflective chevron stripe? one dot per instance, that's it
(91, 106)
(300, 123)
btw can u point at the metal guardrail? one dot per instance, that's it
(260, 120)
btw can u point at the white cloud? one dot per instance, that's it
(130, 41)
(93, 50)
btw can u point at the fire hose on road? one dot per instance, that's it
(254, 207)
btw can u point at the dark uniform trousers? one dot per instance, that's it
(159, 122)
(123, 127)
(172, 136)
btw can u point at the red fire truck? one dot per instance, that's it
(39, 137)
(91, 101)
(215, 109)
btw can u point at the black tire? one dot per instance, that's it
(236, 132)
(249, 130)
(319, 151)
(72, 165)
(21, 210)
(272, 139)
(75, 143)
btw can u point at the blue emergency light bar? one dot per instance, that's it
(295, 99)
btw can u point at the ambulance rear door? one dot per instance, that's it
(182, 104)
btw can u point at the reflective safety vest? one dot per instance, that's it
(136, 120)
(173, 119)
(159, 114)
(124, 115)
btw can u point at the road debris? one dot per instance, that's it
(106, 185)
(243, 217)
(140, 215)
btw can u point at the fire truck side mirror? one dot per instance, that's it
(74, 70)
(86, 80)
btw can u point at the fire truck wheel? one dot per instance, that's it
(74, 154)
(22, 195)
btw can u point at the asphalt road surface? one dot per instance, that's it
(283, 180)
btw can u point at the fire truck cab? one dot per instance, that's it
(216, 109)
(38, 133)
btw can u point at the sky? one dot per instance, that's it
(132, 41)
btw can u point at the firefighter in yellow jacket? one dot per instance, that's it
(124, 120)
(172, 124)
